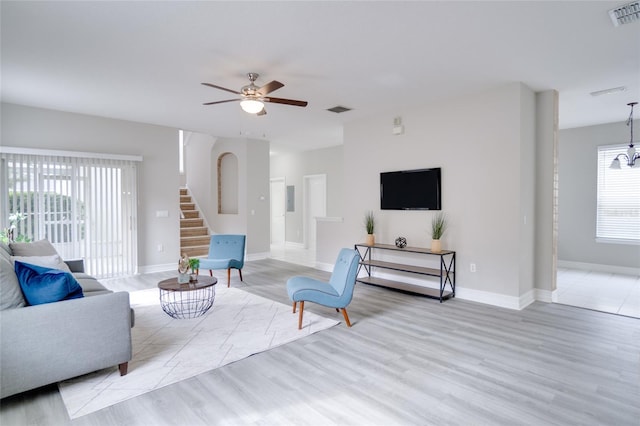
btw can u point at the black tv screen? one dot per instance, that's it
(410, 190)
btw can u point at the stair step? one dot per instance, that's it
(195, 241)
(195, 251)
(194, 231)
(190, 214)
(194, 236)
(191, 223)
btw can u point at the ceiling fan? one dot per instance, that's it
(252, 97)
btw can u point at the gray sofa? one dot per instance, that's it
(50, 342)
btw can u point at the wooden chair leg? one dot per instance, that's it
(294, 307)
(240, 272)
(346, 317)
(228, 277)
(300, 317)
(123, 368)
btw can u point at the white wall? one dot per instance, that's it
(258, 198)
(158, 175)
(293, 167)
(484, 145)
(200, 173)
(252, 219)
(577, 159)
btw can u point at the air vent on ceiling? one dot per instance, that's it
(338, 109)
(625, 14)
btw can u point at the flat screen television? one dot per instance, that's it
(411, 190)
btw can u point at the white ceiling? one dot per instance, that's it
(144, 61)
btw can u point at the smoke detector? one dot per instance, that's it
(625, 14)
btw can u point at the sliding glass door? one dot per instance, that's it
(86, 207)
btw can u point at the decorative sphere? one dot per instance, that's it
(401, 242)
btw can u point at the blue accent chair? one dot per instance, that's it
(337, 293)
(226, 251)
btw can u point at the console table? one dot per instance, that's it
(446, 270)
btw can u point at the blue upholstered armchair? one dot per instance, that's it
(225, 252)
(337, 293)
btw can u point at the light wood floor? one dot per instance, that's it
(407, 360)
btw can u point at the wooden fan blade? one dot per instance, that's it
(221, 88)
(270, 87)
(286, 102)
(221, 102)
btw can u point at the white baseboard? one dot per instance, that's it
(494, 299)
(597, 267)
(291, 244)
(148, 269)
(547, 296)
(489, 298)
(258, 256)
(327, 267)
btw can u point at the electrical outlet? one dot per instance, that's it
(160, 247)
(472, 267)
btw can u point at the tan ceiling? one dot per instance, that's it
(144, 61)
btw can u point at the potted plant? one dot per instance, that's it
(438, 226)
(194, 265)
(370, 225)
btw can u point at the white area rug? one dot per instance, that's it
(167, 350)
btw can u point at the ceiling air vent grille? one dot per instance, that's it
(625, 14)
(338, 109)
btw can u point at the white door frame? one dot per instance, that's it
(306, 215)
(281, 237)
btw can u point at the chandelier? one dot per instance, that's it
(631, 154)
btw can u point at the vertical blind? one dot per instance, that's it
(86, 207)
(618, 199)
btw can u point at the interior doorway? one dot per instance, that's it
(314, 196)
(277, 211)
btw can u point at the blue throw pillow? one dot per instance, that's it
(46, 285)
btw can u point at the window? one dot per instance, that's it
(618, 199)
(86, 207)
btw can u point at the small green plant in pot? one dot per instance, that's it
(370, 226)
(194, 265)
(438, 226)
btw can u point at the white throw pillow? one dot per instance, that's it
(53, 261)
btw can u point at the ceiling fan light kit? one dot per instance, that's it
(631, 155)
(252, 106)
(252, 98)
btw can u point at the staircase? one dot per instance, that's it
(194, 236)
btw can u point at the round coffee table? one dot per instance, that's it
(189, 300)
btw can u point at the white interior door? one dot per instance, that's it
(315, 205)
(277, 211)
